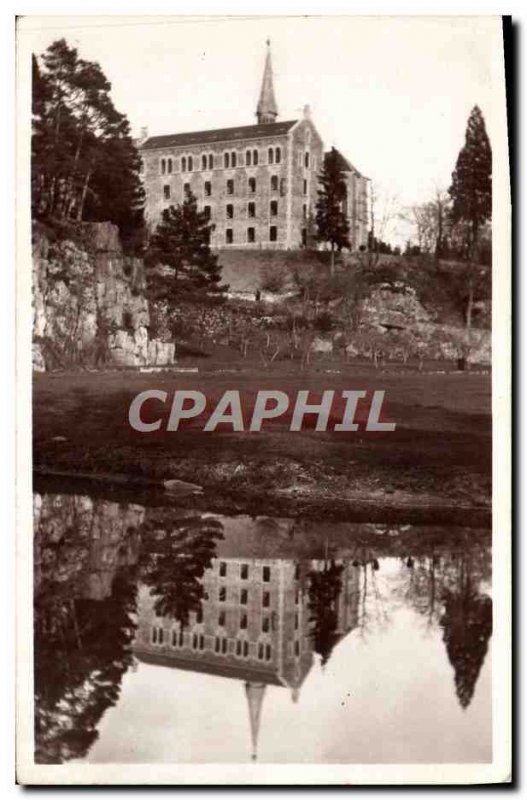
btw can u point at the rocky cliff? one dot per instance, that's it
(89, 303)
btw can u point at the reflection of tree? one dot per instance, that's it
(82, 650)
(324, 590)
(467, 625)
(174, 559)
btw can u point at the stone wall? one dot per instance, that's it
(89, 303)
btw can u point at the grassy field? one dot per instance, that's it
(434, 468)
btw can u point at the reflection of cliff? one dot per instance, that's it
(82, 650)
(83, 627)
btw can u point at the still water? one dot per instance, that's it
(164, 635)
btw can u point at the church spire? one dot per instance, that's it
(255, 695)
(266, 111)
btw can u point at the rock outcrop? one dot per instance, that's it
(89, 303)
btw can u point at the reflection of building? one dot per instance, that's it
(253, 625)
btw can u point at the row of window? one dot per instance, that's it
(230, 160)
(251, 235)
(244, 568)
(244, 597)
(221, 644)
(229, 187)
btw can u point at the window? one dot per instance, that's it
(226, 160)
(270, 156)
(304, 211)
(274, 183)
(243, 597)
(199, 615)
(207, 188)
(305, 186)
(248, 158)
(251, 209)
(272, 233)
(255, 158)
(229, 210)
(244, 571)
(260, 651)
(304, 237)
(203, 161)
(239, 647)
(174, 638)
(186, 188)
(224, 645)
(297, 596)
(267, 652)
(252, 185)
(163, 166)
(296, 621)
(190, 164)
(201, 642)
(217, 644)
(181, 638)
(154, 635)
(246, 649)
(169, 165)
(195, 642)
(141, 166)
(228, 236)
(160, 635)
(243, 622)
(207, 211)
(223, 564)
(222, 595)
(266, 599)
(278, 155)
(297, 648)
(184, 164)
(233, 159)
(166, 191)
(297, 571)
(306, 159)
(266, 574)
(230, 186)
(273, 207)
(250, 235)
(282, 187)
(265, 624)
(221, 618)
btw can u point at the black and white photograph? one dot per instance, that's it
(263, 312)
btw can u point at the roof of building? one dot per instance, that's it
(219, 135)
(346, 165)
(209, 665)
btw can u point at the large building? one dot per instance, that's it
(253, 625)
(257, 182)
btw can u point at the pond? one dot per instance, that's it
(166, 635)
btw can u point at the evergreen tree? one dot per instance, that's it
(471, 189)
(84, 162)
(182, 242)
(332, 225)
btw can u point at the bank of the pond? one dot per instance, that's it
(434, 468)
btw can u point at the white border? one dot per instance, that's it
(322, 774)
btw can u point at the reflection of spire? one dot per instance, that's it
(267, 110)
(255, 695)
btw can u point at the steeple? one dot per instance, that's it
(255, 695)
(266, 111)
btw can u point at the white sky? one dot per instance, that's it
(393, 93)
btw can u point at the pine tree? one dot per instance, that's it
(471, 189)
(84, 162)
(471, 193)
(182, 242)
(332, 225)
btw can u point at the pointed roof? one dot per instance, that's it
(267, 110)
(255, 694)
